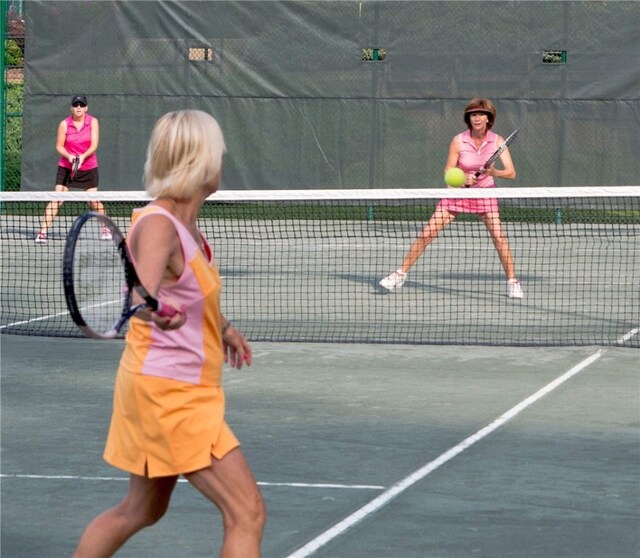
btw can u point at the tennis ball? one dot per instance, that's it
(454, 177)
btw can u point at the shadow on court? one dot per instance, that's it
(330, 430)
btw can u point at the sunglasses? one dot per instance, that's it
(78, 105)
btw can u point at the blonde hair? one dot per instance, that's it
(184, 154)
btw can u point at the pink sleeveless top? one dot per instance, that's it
(471, 159)
(192, 353)
(77, 142)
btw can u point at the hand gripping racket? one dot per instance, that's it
(497, 154)
(74, 167)
(99, 279)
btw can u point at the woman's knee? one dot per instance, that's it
(501, 242)
(251, 517)
(143, 514)
(143, 518)
(256, 511)
(261, 511)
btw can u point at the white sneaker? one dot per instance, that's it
(514, 290)
(394, 281)
(41, 238)
(106, 234)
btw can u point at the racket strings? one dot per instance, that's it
(99, 280)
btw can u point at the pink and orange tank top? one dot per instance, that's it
(192, 353)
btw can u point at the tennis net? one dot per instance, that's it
(305, 265)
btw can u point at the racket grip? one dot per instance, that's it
(165, 311)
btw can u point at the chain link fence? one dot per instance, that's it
(13, 95)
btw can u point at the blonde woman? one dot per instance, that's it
(168, 415)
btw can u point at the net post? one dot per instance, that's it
(558, 216)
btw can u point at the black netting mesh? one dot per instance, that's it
(309, 269)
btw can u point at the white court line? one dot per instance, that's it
(402, 485)
(42, 318)
(628, 335)
(285, 484)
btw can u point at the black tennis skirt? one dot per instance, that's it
(82, 180)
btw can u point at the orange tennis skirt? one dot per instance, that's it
(163, 427)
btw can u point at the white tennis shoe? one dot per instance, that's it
(106, 234)
(41, 238)
(514, 290)
(394, 281)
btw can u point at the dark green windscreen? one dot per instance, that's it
(341, 94)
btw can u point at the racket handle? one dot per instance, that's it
(165, 311)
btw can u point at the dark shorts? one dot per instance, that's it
(83, 179)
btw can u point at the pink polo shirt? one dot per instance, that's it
(77, 142)
(471, 159)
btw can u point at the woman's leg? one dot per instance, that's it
(230, 485)
(438, 221)
(52, 210)
(96, 205)
(494, 225)
(146, 503)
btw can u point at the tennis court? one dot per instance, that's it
(361, 451)
(442, 420)
(389, 448)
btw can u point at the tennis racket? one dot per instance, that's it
(74, 167)
(99, 279)
(497, 153)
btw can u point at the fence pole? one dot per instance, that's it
(3, 108)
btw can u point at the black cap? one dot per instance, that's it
(79, 99)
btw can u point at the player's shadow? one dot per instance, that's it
(452, 278)
(17, 233)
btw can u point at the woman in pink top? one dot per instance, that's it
(78, 137)
(469, 151)
(168, 406)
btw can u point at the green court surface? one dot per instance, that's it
(389, 451)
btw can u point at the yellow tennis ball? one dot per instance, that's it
(454, 177)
